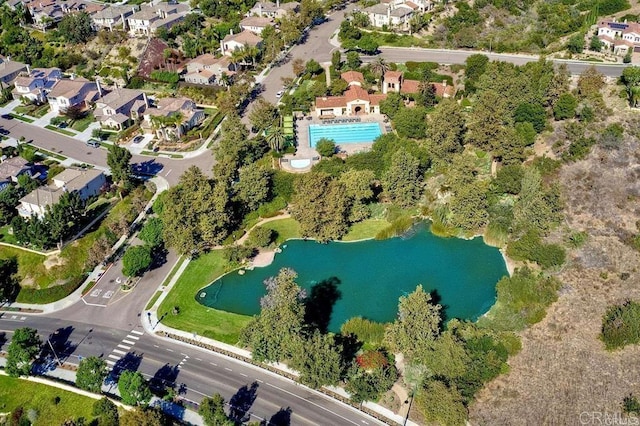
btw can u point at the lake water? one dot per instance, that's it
(374, 274)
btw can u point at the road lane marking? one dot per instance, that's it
(117, 351)
(184, 354)
(169, 172)
(156, 346)
(243, 375)
(214, 364)
(128, 342)
(133, 337)
(124, 347)
(113, 356)
(228, 369)
(198, 359)
(110, 362)
(312, 403)
(259, 381)
(170, 350)
(140, 333)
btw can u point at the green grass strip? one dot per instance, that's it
(57, 129)
(21, 118)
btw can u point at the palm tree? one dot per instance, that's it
(237, 56)
(276, 138)
(379, 67)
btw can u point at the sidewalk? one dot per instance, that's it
(161, 185)
(152, 325)
(170, 408)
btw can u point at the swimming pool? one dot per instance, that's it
(344, 133)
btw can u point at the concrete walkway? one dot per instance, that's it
(161, 185)
(187, 416)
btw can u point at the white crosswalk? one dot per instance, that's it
(123, 347)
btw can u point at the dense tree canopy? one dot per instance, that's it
(24, 346)
(91, 373)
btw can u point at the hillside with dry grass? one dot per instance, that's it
(563, 369)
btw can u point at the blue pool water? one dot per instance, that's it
(344, 133)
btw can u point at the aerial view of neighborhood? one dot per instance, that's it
(319, 212)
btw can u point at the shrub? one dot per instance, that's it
(621, 325)
(237, 254)
(531, 247)
(372, 359)
(326, 147)
(165, 76)
(365, 330)
(565, 107)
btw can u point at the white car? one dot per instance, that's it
(279, 94)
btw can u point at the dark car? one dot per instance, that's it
(138, 139)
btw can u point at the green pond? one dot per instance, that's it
(372, 275)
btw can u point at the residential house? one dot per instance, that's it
(9, 70)
(277, 10)
(207, 69)
(149, 18)
(353, 78)
(390, 15)
(238, 41)
(47, 13)
(619, 37)
(112, 16)
(11, 168)
(120, 108)
(256, 24)
(86, 182)
(74, 92)
(36, 84)
(173, 117)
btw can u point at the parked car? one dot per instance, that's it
(138, 139)
(279, 94)
(93, 143)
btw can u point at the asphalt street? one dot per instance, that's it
(170, 169)
(254, 393)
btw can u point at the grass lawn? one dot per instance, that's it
(286, 229)
(52, 154)
(397, 40)
(42, 398)
(32, 110)
(153, 300)
(194, 317)
(365, 229)
(30, 265)
(5, 237)
(82, 123)
(21, 118)
(59, 130)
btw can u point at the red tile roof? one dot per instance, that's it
(410, 86)
(356, 93)
(331, 102)
(376, 99)
(352, 76)
(392, 75)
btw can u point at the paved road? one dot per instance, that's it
(196, 371)
(444, 56)
(171, 169)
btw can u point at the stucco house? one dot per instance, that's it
(238, 41)
(391, 15)
(9, 70)
(149, 18)
(120, 108)
(11, 168)
(173, 117)
(619, 37)
(275, 10)
(256, 24)
(47, 13)
(207, 69)
(86, 182)
(112, 16)
(394, 81)
(75, 92)
(36, 84)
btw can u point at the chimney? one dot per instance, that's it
(231, 31)
(72, 76)
(28, 69)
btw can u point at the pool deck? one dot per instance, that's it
(304, 150)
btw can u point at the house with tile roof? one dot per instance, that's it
(256, 24)
(86, 182)
(73, 92)
(120, 108)
(11, 168)
(619, 37)
(173, 117)
(35, 84)
(112, 17)
(390, 15)
(238, 41)
(275, 10)
(353, 78)
(207, 69)
(9, 70)
(394, 81)
(151, 17)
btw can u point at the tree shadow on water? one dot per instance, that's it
(436, 299)
(242, 401)
(319, 304)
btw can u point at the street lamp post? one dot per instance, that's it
(406, 418)
(54, 353)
